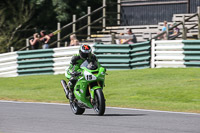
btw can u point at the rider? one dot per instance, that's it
(85, 53)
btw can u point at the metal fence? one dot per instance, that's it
(148, 12)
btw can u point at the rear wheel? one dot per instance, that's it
(76, 109)
(99, 102)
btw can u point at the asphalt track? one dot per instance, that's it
(19, 117)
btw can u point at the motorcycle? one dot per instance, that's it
(88, 90)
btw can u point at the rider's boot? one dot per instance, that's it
(71, 90)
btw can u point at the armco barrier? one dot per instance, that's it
(34, 62)
(140, 55)
(192, 53)
(8, 64)
(175, 53)
(47, 61)
(113, 56)
(127, 56)
(155, 54)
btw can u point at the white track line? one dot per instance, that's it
(145, 110)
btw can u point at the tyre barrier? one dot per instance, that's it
(150, 54)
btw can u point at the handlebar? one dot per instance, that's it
(75, 73)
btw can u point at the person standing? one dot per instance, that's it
(35, 42)
(44, 39)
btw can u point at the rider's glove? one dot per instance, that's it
(74, 74)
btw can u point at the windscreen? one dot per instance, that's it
(89, 65)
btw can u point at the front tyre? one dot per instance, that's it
(76, 109)
(99, 102)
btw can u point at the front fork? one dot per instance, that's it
(92, 93)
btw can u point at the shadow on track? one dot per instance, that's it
(116, 114)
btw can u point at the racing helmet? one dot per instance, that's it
(85, 51)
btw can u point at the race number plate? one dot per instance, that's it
(89, 76)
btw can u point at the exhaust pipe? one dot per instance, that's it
(64, 85)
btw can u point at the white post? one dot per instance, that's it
(150, 36)
(11, 49)
(113, 38)
(184, 35)
(66, 44)
(58, 35)
(153, 53)
(167, 32)
(104, 15)
(198, 11)
(27, 44)
(89, 22)
(74, 25)
(118, 11)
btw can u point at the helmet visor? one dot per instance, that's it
(85, 55)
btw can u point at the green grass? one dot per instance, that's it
(174, 89)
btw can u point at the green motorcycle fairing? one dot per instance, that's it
(87, 83)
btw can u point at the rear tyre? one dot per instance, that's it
(99, 102)
(76, 109)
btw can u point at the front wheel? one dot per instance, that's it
(99, 102)
(76, 109)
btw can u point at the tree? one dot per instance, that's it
(14, 17)
(20, 19)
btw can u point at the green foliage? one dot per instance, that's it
(160, 89)
(60, 8)
(20, 19)
(14, 16)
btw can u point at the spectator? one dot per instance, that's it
(73, 40)
(131, 41)
(174, 32)
(170, 30)
(44, 39)
(164, 28)
(35, 42)
(121, 41)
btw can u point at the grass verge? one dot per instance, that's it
(170, 89)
